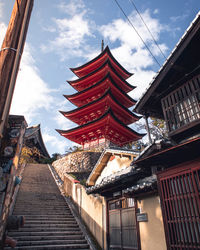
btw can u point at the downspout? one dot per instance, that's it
(15, 69)
(148, 130)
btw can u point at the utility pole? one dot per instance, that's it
(10, 56)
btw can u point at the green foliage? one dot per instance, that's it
(83, 182)
(74, 149)
(29, 155)
(158, 128)
(54, 157)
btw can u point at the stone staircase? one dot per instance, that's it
(49, 222)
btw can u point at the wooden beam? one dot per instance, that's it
(13, 44)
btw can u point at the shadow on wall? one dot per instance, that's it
(91, 209)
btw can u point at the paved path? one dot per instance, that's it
(49, 221)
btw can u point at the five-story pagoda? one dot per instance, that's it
(102, 102)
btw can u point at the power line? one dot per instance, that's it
(137, 33)
(148, 29)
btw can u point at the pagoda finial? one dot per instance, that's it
(102, 45)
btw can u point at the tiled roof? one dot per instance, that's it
(142, 184)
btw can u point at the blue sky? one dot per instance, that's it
(68, 33)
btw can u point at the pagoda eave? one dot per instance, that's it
(98, 107)
(107, 126)
(94, 92)
(86, 68)
(85, 82)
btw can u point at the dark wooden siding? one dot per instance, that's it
(180, 198)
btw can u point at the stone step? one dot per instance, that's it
(48, 225)
(52, 204)
(49, 237)
(51, 242)
(31, 201)
(49, 229)
(53, 247)
(40, 208)
(51, 221)
(26, 213)
(49, 217)
(45, 234)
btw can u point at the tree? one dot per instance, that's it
(74, 149)
(157, 128)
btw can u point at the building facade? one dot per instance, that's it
(174, 96)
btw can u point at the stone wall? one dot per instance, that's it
(77, 162)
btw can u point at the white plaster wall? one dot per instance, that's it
(117, 164)
(152, 234)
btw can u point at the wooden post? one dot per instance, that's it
(10, 55)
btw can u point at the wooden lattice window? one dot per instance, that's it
(180, 197)
(182, 106)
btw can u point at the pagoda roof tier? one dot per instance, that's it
(97, 108)
(108, 126)
(87, 81)
(94, 64)
(94, 92)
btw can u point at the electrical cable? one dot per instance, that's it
(137, 33)
(148, 29)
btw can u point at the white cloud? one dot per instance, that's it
(3, 28)
(73, 7)
(179, 18)
(70, 33)
(55, 142)
(31, 92)
(130, 50)
(141, 79)
(156, 11)
(120, 30)
(63, 122)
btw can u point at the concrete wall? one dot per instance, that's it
(91, 208)
(152, 234)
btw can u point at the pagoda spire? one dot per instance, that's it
(102, 101)
(102, 45)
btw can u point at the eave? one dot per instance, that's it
(95, 109)
(94, 92)
(87, 81)
(181, 65)
(107, 126)
(119, 183)
(92, 65)
(36, 131)
(172, 156)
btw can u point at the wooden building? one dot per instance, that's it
(102, 102)
(33, 139)
(174, 95)
(130, 198)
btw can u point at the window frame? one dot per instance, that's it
(182, 106)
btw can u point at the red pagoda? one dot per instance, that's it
(102, 102)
